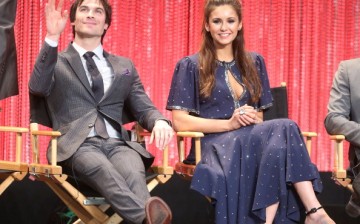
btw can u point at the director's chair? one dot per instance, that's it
(92, 209)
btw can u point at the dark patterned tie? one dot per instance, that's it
(98, 90)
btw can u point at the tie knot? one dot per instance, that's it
(89, 55)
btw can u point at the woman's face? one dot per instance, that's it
(223, 25)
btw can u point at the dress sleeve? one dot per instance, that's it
(184, 90)
(266, 97)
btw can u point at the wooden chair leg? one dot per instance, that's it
(11, 178)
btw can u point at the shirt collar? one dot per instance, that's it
(99, 50)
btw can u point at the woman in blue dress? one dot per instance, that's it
(253, 171)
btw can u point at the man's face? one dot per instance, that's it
(90, 19)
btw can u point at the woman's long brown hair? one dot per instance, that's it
(207, 55)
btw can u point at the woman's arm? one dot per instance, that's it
(183, 121)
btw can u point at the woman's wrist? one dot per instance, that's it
(231, 126)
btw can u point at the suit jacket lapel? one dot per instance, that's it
(74, 60)
(118, 73)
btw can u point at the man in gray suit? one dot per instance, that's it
(344, 117)
(93, 142)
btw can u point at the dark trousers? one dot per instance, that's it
(116, 171)
(356, 181)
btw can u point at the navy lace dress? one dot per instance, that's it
(250, 168)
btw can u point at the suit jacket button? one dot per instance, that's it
(91, 125)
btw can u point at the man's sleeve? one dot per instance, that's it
(338, 120)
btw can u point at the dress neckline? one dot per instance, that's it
(225, 64)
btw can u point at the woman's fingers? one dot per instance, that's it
(246, 115)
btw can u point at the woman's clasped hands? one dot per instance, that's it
(244, 116)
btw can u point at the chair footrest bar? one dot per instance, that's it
(95, 201)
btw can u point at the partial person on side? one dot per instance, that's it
(8, 60)
(343, 118)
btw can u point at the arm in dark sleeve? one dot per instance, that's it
(42, 76)
(140, 105)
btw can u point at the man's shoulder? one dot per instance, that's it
(351, 69)
(354, 62)
(119, 59)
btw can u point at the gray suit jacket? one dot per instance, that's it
(71, 106)
(344, 106)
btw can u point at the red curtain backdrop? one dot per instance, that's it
(302, 42)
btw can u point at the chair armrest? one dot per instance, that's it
(164, 171)
(13, 129)
(164, 168)
(181, 145)
(339, 171)
(190, 134)
(46, 133)
(35, 133)
(19, 133)
(339, 138)
(308, 139)
(309, 134)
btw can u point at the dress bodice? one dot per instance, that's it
(184, 92)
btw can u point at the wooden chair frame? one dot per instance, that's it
(339, 173)
(187, 170)
(13, 170)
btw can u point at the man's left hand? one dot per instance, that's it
(162, 133)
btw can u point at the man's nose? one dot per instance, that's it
(91, 13)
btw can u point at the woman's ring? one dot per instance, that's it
(242, 111)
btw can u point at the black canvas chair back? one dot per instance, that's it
(280, 104)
